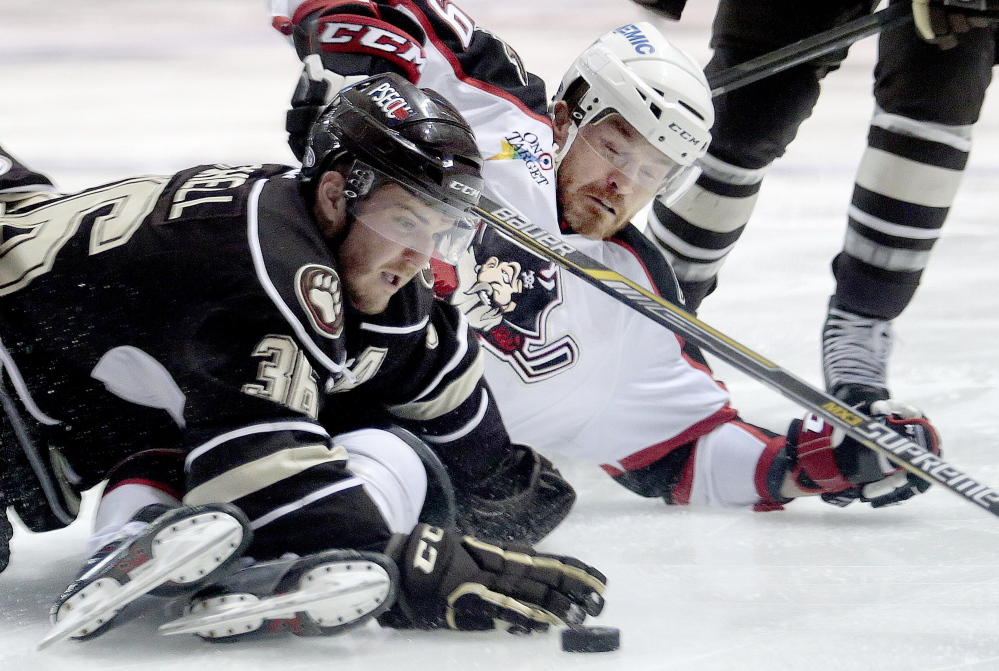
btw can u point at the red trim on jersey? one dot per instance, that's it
(654, 453)
(152, 484)
(694, 363)
(421, 17)
(638, 257)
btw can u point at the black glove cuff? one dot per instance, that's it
(524, 501)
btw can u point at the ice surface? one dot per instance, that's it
(92, 90)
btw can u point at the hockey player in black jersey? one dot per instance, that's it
(929, 87)
(180, 337)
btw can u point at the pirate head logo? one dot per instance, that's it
(507, 293)
(319, 293)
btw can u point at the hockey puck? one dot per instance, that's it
(591, 639)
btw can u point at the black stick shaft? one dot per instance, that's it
(859, 426)
(808, 49)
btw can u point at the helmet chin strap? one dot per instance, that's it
(564, 149)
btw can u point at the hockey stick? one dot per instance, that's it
(50, 488)
(857, 425)
(809, 48)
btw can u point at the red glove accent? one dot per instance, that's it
(283, 25)
(286, 26)
(932, 438)
(815, 459)
(310, 6)
(355, 34)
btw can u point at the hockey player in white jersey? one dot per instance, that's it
(574, 371)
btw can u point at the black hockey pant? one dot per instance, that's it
(927, 100)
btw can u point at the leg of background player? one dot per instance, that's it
(927, 101)
(753, 126)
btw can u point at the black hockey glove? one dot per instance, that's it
(459, 582)
(940, 22)
(825, 461)
(316, 88)
(522, 501)
(341, 41)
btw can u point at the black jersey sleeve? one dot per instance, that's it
(452, 407)
(420, 363)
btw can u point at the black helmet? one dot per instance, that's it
(410, 135)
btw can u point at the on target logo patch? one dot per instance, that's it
(319, 293)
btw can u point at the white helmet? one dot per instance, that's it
(659, 89)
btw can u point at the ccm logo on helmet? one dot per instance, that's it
(465, 189)
(637, 38)
(390, 102)
(683, 134)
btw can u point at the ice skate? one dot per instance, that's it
(855, 353)
(317, 595)
(178, 551)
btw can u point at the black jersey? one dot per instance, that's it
(204, 311)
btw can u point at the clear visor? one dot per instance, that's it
(616, 143)
(411, 218)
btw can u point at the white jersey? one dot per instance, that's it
(574, 371)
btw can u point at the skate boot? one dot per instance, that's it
(855, 353)
(162, 553)
(321, 594)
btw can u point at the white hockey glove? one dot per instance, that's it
(459, 582)
(823, 460)
(940, 22)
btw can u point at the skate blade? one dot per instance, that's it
(182, 547)
(237, 614)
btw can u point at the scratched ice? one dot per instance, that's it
(99, 89)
